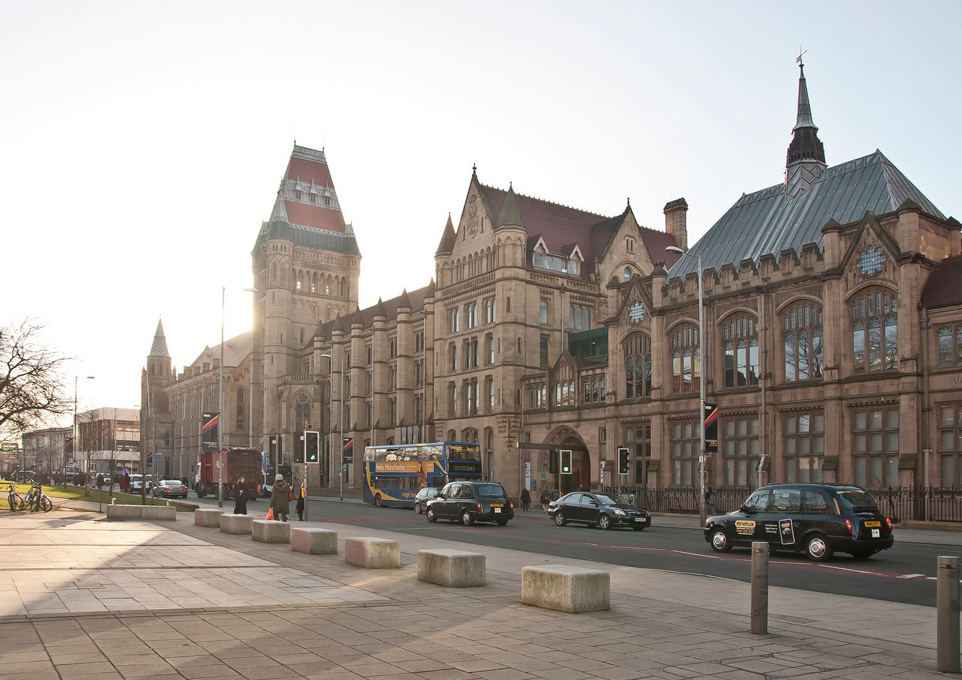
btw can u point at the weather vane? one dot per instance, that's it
(798, 59)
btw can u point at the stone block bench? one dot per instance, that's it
(154, 512)
(236, 524)
(270, 531)
(208, 517)
(372, 553)
(566, 589)
(313, 541)
(451, 568)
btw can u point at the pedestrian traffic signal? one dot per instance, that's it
(565, 462)
(553, 462)
(312, 447)
(623, 462)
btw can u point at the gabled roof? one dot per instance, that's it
(236, 349)
(944, 285)
(159, 346)
(561, 226)
(770, 221)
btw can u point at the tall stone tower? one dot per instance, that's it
(306, 265)
(155, 417)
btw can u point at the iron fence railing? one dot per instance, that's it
(898, 503)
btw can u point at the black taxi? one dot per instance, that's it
(470, 502)
(817, 519)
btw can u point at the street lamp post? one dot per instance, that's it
(701, 382)
(221, 420)
(76, 430)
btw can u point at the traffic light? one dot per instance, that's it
(623, 463)
(553, 462)
(272, 448)
(312, 447)
(298, 457)
(565, 462)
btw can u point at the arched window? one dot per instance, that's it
(564, 385)
(302, 410)
(543, 312)
(240, 408)
(802, 334)
(470, 435)
(626, 275)
(452, 436)
(685, 359)
(875, 330)
(637, 366)
(741, 350)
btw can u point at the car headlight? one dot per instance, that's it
(621, 513)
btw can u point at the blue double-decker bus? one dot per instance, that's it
(394, 474)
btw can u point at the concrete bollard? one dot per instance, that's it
(759, 588)
(947, 607)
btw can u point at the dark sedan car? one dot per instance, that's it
(470, 502)
(169, 488)
(817, 519)
(598, 509)
(428, 493)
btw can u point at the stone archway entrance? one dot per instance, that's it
(580, 477)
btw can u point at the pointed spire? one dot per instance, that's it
(404, 300)
(510, 211)
(159, 346)
(429, 293)
(379, 309)
(804, 118)
(280, 211)
(358, 318)
(448, 239)
(338, 325)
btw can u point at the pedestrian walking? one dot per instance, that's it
(709, 501)
(281, 498)
(525, 499)
(240, 497)
(545, 499)
(301, 499)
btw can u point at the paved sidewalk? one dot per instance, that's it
(662, 625)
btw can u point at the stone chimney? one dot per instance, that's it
(676, 221)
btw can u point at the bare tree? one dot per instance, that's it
(31, 383)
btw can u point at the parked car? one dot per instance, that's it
(169, 488)
(817, 519)
(426, 494)
(136, 481)
(470, 502)
(597, 509)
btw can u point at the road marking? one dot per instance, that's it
(910, 576)
(711, 557)
(857, 571)
(931, 578)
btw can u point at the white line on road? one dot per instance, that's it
(910, 576)
(857, 571)
(711, 557)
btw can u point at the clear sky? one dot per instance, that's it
(141, 143)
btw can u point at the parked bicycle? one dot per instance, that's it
(37, 500)
(15, 500)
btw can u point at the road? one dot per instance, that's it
(904, 573)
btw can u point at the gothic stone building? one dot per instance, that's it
(833, 349)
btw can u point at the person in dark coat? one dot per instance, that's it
(280, 499)
(525, 500)
(240, 497)
(545, 499)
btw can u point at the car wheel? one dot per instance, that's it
(604, 522)
(502, 522)
(377, 500)
(818, 548)
(466, 518)
(559, 519)
(719, 541)
(431, 516)
(417, 508)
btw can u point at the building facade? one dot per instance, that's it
(46, 451)
(833, 335)
(108, 440)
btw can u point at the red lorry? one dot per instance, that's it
(239, 461)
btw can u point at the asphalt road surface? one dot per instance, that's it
(904, 573)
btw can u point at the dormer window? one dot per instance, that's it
(540, 259)
(574, 267)
(314, 198)
(297, 195)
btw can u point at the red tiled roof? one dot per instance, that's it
(315, 216)
(944, 285)
(309, 171)
(561, 227)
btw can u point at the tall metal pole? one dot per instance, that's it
(220, 413)
(75, 380)
(341, 420)
(701, 391)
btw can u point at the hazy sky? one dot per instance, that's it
(141, 144)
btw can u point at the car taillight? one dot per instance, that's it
(889, 522)
(479, 507)
(848, 525)
(511, 503)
